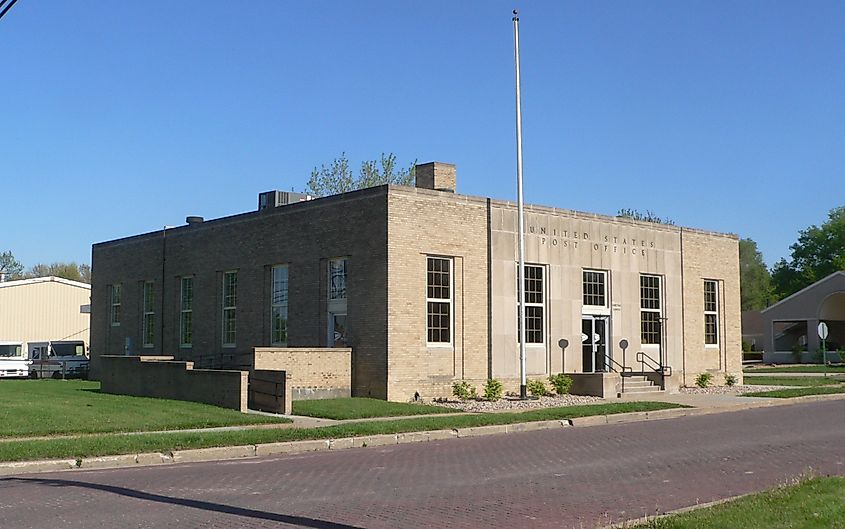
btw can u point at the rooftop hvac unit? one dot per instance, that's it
(274, 199)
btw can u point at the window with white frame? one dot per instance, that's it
(116, 295)
(230, 302)
(186, 312)
(650, 310)
(439, 300)
(149, 322)
(594, 286)
(337, 278)
(279, 306)
(711, 313)
(535, 306)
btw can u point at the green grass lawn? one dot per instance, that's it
(113, 444)
(808, 368)
(813, 504)
(362, 408)
(47, 407)
(797, 392)
(792, 381)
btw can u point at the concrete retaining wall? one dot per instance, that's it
(161, 377)
(315, 373)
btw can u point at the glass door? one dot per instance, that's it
(594, 343)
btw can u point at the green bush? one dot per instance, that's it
(464, 390)
(562, 383)
(796, 354)
(730, 380)
(746, 347)
(841, 354)
(493, 390)
(537, 388)
(703, 380)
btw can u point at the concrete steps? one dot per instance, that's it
(637, 385)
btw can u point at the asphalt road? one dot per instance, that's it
(575, 477)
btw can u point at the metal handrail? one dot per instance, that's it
(655, 366)
(623, 369)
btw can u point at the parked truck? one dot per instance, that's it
(13, 361)
(61, 359)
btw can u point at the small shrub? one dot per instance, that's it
(493, 390)
(730, 380)
(464, 390)
(841, 354)
(703, 380)
(537, 388)
(796, 355)
(562, 383)
(746, 347)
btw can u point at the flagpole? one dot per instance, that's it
(520, 210)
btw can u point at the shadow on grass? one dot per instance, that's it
(185, 502)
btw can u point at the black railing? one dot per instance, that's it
(662, 370)
(614, 366)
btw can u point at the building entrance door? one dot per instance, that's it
(594, 343)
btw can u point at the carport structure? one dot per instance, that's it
(790, 326)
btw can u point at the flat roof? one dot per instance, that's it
(369, 192)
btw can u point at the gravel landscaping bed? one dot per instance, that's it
(513, 403)
(730, 390)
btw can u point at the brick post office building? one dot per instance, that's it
(421, 283)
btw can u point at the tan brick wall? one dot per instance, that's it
(713, 257)
(424, 223)
(160, 378)
(312, 371)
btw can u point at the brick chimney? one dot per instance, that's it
(436, 175)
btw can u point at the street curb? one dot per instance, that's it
(223, 453)
(642, 520)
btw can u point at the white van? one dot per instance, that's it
(12, 360)
(65, 359)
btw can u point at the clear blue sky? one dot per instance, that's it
(122, 117)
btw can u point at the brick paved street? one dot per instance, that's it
(576, 477)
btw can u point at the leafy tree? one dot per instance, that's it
(647, 216)
(819, 251)
(337, 177)
(10, 266)
(72, 271)
(754, 278)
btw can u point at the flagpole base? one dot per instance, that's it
(523, 391)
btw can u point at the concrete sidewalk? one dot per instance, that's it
(830, 374)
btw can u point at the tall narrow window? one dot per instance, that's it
(337, 279)
(186, 316)
(650, 310)
(116, 295)
(535, 305)
(336, 303)
(149, 324)
(230, 301)
(439, 300)
(711, 313)
(279, 306)
(595, 288)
